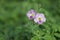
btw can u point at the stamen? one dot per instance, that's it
(32, 14)
(39, 18)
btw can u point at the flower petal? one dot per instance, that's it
(35, 20)
(40, 22)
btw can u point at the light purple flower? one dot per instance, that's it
(31, 14)
(39, 18)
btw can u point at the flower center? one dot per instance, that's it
(39, 19)
(32, 14)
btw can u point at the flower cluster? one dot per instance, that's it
(38, 17)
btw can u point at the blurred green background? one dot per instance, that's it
(14, 24)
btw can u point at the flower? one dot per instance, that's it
(31, 14)
(39, 18)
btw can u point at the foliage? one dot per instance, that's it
(14, 24)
